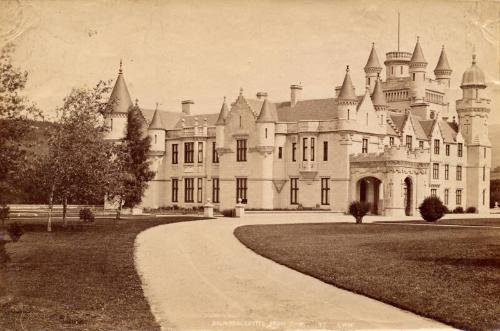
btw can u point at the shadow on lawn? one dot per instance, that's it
(463, 262)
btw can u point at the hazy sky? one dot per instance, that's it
(205, 50)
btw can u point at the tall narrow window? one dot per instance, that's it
(325, 150)
(200, 152)
(215, 190)
(446, 171)
(458, 197)
(175, 190)
(401, 70)
(294, 152)
(304, 149)
(435, 171)
(391, 141)
(325, 191)
(188, 189)
(199, 190)
(155, 139)
(189, 152)
(280, 152)
(421, 144)
(446, 196)
(364, 147)
(215, 156)
(111, 124)
(175, 153)
(265, 133)
(484, 152)
(447, 149)
(484, 197)
(460, 149)
(433, 192)
(241, 190)
(409, 142)
(436, 146)
(459, 172)
(294, 190)
(312, 149)
(484, 174)
(241, 150)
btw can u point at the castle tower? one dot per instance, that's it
(119, 104)
(473, 112)
(265, 125)
(418, 66)
(346, 100)
(156, 132)
(372, 69)
(220, 124)
(443, 70)
(379, 101)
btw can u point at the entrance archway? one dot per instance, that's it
(368, 190)
(408, 193)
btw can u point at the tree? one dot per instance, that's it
(131, 170)
(359, 209)
(432, 209)
(78, 162)
(14, 112)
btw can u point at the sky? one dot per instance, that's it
(205, 50)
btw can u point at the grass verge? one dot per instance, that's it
(77, 278)
(450, 274)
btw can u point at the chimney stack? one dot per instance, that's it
(295, 91)
(186, 106)
(262, 95)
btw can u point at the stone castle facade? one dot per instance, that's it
(391, 145)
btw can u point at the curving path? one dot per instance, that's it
(198, 276)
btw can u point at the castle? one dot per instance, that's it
(391, 145)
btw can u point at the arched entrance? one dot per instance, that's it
(408, 193)
(368, 190)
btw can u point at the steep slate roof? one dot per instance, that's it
(419, 131)
(373, 59)
(418, 54)
(427, 126)
(267, 113)
(448, 131)
(398, 119)
(319, 109)
(168, 118)
(378, 95)
(156, 122)
(221, 119)
(190, 120)
(120, 98)
(443, 62)
(347, 89)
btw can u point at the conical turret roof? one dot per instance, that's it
(378, 95)
(418, 54)
(223, 113)
(266, 114)
(156, 122)
(373, 62)
(443, 64)
(120, 98)
(347, 90)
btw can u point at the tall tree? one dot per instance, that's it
(15, 109)
(131, 165)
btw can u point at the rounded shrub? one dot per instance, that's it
(86, 215)
(458, 210)
(359, 209)
(15, 231)
(432, 209)
(471, 210)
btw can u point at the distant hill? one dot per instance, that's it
(494, 133)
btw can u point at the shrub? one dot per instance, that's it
(4, 213)
(458, 210)
(86, 215)
(471, 210)
(432, 209)
(359, 209)
(229, 212)
(15, 231)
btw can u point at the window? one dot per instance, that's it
(294, 190)
(294, 151)
(484, 152)
(188, 189)
(199, 190)
(391, 141)
(215, 190)
(446, 171)
(111, 124)
(421, 144)
(401, 70)
(435, 171)
(175, 190)
(155, 139)
(241, 190)
(280, 152)
(409, 141)
(436, 146)
(447, 149)
(189, 152)
(364, 147)
(325, 150)
(325, 191)
(215, 156)
(459, 172)
(175, 153)
(304, 149)
(241, 150)
(200, 152)
(446, 196)
(413, 76)
(458, 199)
(484, 196)
(265, 134)
(433, 192)
(312, 149)
(460, 149)
(484, 174)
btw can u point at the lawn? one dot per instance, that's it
(82, 278)
(450, 274)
